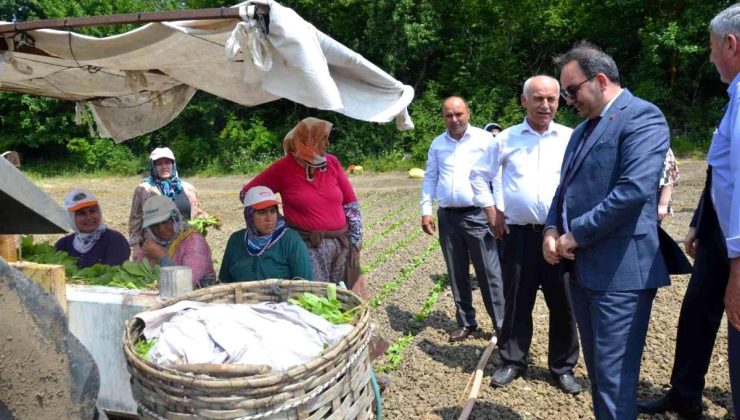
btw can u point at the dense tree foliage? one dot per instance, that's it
(481, 49)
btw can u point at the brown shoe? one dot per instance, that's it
(461, 333)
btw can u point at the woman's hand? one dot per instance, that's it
(354, 259)
(153, 250)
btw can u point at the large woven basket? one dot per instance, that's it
(335, 385)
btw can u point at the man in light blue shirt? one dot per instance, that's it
(724, 158)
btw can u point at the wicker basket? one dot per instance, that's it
(8, 248)
(335, 385)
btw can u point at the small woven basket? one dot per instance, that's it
(8, 248)
(335, 385)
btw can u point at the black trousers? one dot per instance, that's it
(465, 235)
(701, 313)
(524, 271)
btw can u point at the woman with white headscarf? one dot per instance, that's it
(93, 242)
(163, 180)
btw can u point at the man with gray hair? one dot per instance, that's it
(526, 176)
(714, 242)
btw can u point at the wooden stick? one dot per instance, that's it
(478, 378)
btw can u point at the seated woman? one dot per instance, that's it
(162, 180)
(267, 248)
(172, 242)
(92, 242)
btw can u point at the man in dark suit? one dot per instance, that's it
(602, 224)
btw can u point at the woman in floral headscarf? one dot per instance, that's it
(162, 180)
(319, 202)
(93, 242)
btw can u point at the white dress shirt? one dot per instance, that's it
(447, 175)
(530, 172)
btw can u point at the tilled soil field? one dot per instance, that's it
(402, 265)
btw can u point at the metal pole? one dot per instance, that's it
(128, 18)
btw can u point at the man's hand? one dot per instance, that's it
(567, 245)
(427, 224)
(732, 295)
(549, 248)
(662, 212)
(497, 221)
(690, 243)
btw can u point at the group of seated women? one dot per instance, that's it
(319, 238)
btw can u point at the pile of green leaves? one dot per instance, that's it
(142, 347)
(45, 253)
(201, 224)
(329, 307)
(129, 275)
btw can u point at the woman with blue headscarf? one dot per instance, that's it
(162, 180)
(267, 248)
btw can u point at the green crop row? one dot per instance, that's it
(387, 253)
(394, 354)
(392, 213)
(393, 226)
(406, 272)
(439, 286)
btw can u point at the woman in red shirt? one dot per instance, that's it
(318, 201)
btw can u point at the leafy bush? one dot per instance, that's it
(104, 155)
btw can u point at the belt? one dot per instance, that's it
(459, 209)
(529, 227)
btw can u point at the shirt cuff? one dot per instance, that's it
(426, 209)
(733, 247)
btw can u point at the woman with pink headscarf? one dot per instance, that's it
(318, 201)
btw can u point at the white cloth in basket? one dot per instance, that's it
(279, 335)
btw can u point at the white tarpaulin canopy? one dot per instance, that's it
(137, 82)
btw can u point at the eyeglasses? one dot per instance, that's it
(571, 92)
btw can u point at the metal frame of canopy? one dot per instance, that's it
(10, 30)
(137, 82)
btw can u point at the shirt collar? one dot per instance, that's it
(466, 134)
(609, 104)
(551, 128)
(733, 85)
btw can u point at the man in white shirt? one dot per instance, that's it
(464, 233)
(527, 174)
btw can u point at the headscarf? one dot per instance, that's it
(182, 231)
(168, 187)
(256, 244)
(83, 242)
(303, 143)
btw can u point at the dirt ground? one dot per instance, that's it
(431, 380)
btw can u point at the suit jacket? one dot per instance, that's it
(611, 200)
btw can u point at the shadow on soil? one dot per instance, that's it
(483, 410)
